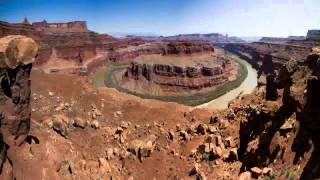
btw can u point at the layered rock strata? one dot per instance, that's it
(164, 48)
(74, 45)
(70, 42)
(280, 53)
(190, 77)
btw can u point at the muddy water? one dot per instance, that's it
(247, 87)
(98, 79)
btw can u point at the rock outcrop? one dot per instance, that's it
(270, 127)
(17, 55)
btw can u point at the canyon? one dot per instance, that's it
(68, 128)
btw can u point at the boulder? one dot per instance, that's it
(184, 135)
(145, 150)
(79, 122)
(233, 155)
(119, 130)
(124, 125)
(142, 148)
(50, 93)
(217, 151)
(213, 120)
(216, 140)
(95, 124)
(202, 128)
(47, 124)
(229, 142)
(109, 153)
(171, 134)
(287, 126)
(195, 169)
(60, 125)
(205, 148)
(65, 168)
(212, 129)
(266, 171)
(104, 166)
(17, 50)
(178, 127)
(201, 176)
(256, 172)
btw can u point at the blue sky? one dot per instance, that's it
(169, 17)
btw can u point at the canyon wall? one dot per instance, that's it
(280, 53)
(78, 46)
(164, 48)
(73, 42)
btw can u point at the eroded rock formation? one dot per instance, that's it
(15, 90)
(191, 77)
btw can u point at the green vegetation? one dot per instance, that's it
(192, 100)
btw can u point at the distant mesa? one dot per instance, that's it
(74, 26)
(313, 35)
(44, 26)
(282, 39)
(211, 37)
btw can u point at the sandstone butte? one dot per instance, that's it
(68, 129)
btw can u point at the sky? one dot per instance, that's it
(276, 18)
